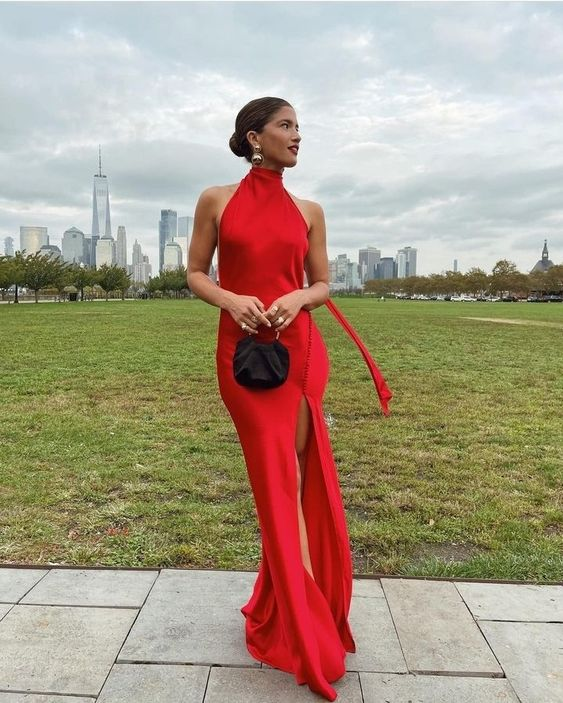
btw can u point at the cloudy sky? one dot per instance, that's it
(435, 125)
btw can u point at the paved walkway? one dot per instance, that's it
(72, 635)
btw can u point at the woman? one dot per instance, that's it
(297, 616)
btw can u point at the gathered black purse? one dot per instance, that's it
(260, 365)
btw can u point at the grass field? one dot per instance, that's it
(116, 448)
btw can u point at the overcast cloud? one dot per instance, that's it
(434, 125)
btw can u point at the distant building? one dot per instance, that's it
(213, 273)
(8, 246)
(368, 258)
(167, 232)
(344, 274)
(51, 250)
(101, 220)
(544, 264)
(140, 268)
(137, 257)
(172, 256)
(33, 238)
(455, 265)
(143, 270)
(185, 229)
(121, 248)
(386, 268)
(73, 246)
(90, 245)
(105, 251)
(406, 262)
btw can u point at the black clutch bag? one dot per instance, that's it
(260, 365)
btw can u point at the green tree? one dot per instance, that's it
(154, 285)
(111, 278)
(13, 273)
(537, 282)
(42, 270)
(454, 282)
(505, 277)
(476, 281)
(6, 275)
(554, 279)
(81, 277)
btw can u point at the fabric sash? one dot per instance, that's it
(383, 391)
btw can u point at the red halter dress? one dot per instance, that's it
(293, 622)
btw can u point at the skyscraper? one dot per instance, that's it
(141, 268)
(105, 251)
(121, 248)
(33, 238)
(8, 246)
(137, 257)
(172, 256)
(406, 262)
(185, 228)
(167, 232)
(73, 246)
(101, 221)
(368, 259)
(386, 268)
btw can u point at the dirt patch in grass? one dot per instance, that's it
(445, 551)
(504, 321)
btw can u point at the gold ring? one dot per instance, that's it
(244, 326)
(275, 308)
(280, 320)
(254, 318)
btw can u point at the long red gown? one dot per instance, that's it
(293, 622)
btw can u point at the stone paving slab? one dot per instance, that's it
(395, 688)
(436, 631)
(531, 654)
(373, 630)
(155, 683)
(91, 587)
(5, 608)
(235, 685)
(192, 617)
(15, 583)
(53, 649)
(510, 601)
(40, 698)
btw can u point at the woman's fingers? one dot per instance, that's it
(282, 322)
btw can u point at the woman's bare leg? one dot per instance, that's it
(301, 440)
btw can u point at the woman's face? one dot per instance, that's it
(279, 139)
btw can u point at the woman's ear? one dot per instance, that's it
(251, 137)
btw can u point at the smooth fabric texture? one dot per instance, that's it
(292, 622)
(383, 391)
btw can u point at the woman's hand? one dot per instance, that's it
(247, 310)
(284, 309)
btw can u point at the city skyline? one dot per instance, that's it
(432, 124)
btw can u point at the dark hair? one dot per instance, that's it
(253, 116)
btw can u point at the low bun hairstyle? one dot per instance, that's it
(253, 117)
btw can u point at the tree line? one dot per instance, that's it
(40, 272)
(505, 279)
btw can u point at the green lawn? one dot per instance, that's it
(116, 448)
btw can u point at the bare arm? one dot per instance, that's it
(242, 308)
(287, 307)
(202, 248)
(316, 263)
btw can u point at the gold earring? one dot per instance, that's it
(257, 158)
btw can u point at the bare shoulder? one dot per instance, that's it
(312, 212)
(217, 194)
